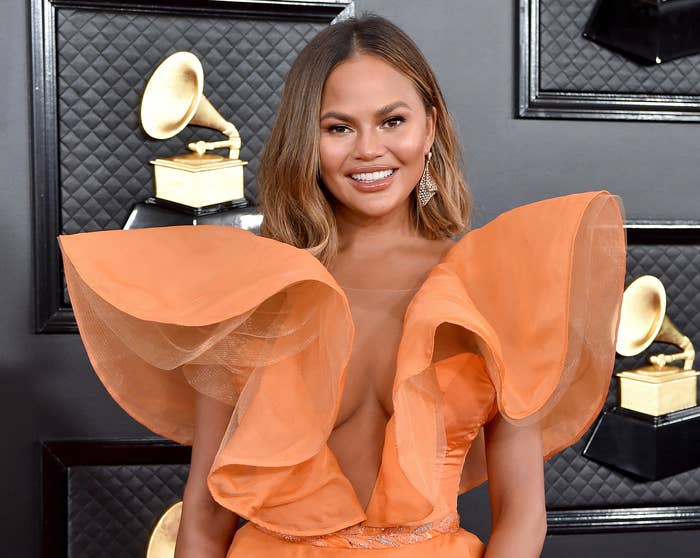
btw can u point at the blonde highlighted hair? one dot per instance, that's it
(297, 208)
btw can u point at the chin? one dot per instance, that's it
(373, 205)
(378, 208)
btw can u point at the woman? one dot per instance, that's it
(369, 391)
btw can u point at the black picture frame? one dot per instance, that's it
(572, 520)
(617, 520)
(51, 314)
(57, 457)
(535, 102)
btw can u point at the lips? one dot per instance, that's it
(370, 179)
(373, 176)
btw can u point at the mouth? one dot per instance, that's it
(370, 177)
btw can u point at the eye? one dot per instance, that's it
(338, 129)
(394, 121)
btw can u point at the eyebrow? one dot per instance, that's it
(386, 109)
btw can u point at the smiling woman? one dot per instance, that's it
(375, 135)
(360, 99)
(344, 379)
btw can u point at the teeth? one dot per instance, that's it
(372, 176)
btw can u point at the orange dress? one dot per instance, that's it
(263, 325)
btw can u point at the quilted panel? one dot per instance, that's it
(103, 62)
(572, 481)
(570, 63)
(113, 509)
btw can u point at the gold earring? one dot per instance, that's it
(426, 186)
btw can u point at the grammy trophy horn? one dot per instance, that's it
(161, 543)
(174, 98)
(643, 320)
(658, 388)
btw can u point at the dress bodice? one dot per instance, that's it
(366, 405)
(365, 421)
(520, 318)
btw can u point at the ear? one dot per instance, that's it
(431, 118)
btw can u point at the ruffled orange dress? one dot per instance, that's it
(263, 325)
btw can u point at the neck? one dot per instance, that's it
(366, 234)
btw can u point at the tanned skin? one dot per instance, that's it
(372, 119)
(206, 528)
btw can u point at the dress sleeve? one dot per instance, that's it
(539, 290)
(548, 279)
(163, 312)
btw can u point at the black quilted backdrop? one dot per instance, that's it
(113, 509)
(573, 481)
(103, 62)
(570, 63)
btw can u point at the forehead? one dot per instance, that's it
(366, 83)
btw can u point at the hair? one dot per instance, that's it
(297, 208)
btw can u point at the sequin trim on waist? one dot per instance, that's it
(364, 536)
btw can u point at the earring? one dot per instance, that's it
(426, 186)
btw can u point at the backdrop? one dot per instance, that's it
(47, 388)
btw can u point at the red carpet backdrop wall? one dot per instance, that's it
(74, 158)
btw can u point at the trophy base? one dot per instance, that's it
(645, 446)
(198, 180)
(197, 211)
(658, 393)
(646, 31)
(164, 213)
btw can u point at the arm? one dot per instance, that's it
(516, 489)
(206, 528)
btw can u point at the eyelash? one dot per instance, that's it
(397, 119)
(337, 128)
(392, 122)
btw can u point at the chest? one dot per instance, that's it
(378, 318)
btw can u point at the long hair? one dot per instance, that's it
(297, 208)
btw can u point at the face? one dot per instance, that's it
(375, 134)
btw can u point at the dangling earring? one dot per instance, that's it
(426, 186)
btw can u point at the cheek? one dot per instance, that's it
(331, 155)
(409, 152)
(409, 146)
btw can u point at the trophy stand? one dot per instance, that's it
(155, 212)
(654, 431)
(199, 187)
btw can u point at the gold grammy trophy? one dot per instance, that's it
(654, 432)
(164, 535)
(174, 98)
(659, 388)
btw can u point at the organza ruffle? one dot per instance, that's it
(540, 287)
(263, 326)
(246, 320)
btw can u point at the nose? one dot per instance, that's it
(369, 145)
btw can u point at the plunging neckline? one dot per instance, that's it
(273, 317)
(416, 293)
